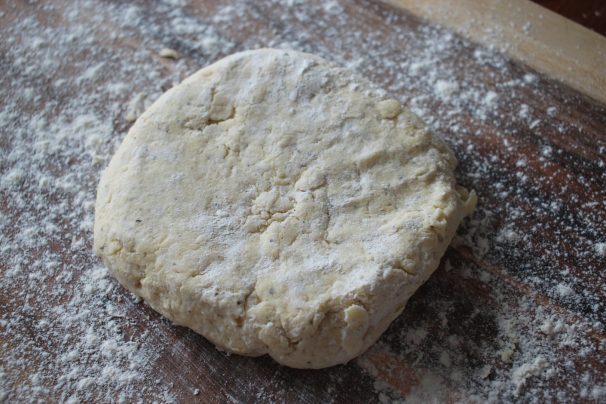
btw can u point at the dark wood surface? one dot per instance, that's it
(541, 184)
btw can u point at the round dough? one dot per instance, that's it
(278, 204)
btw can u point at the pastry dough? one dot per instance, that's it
(278, 204)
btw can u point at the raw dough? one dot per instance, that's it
(278, 204)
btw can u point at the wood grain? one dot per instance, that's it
(588, 13)
(560, 48)
(456, 326)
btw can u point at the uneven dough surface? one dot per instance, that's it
(278, 204)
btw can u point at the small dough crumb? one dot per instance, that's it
(485, 371)
(389, 109)
(169, 53)
(135, 107)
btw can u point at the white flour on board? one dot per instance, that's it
(76, 76)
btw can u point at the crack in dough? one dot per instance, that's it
(278, 204)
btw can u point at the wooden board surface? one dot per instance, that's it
(514, 313)
(546, 41)
(589, 13)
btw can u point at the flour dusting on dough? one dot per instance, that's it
(275, 242)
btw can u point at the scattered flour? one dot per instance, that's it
(550, 327)
(64, 323)
(446, 89)
(75, 75)
(564, 290)
(523, 372)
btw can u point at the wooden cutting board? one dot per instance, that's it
(514, 313)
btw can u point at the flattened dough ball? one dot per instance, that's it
(278, 204)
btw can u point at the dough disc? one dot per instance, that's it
(277, 204)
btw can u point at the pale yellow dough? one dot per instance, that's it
(278, 204)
